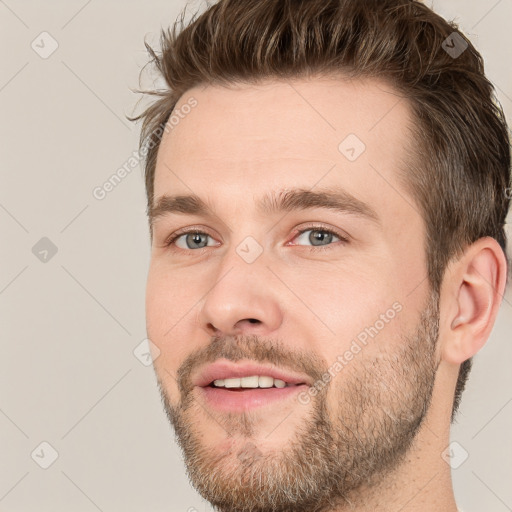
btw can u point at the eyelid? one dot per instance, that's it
(300, 230)
(185, 231)
(318, 226)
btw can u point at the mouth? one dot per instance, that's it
(240, 394)
(251, 382)
(227, 386)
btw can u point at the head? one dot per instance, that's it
(353, 120)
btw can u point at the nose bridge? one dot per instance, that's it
(240, 293)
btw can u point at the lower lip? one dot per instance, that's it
(223, 399)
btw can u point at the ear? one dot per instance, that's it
(473, 290)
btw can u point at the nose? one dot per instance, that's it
(241, 301)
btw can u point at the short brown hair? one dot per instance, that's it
(459, 167)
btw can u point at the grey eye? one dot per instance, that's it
(318, 237)
(193, 240)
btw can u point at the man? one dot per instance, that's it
(327, 189)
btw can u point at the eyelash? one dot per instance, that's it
(169, 241)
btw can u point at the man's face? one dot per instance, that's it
(333, 301)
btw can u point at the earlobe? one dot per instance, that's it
(475, 289)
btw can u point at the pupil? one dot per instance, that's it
(196, 238)
(322, 235)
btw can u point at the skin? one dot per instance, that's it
(243, 141)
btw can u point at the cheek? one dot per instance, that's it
(363, 316)
(169, 300)
(168, 312)
(157, 306)
(347, 301)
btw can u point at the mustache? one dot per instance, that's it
(254, 348)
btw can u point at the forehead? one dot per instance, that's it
(322, 132)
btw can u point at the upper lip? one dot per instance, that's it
(226, 369)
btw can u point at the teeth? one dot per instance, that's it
(265, 382)
(254, 381)
(232, 383)
(249, 382)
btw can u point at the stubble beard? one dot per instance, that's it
(382, 400)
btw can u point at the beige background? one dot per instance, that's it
(69, 326)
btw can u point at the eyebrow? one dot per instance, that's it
(287, 200)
